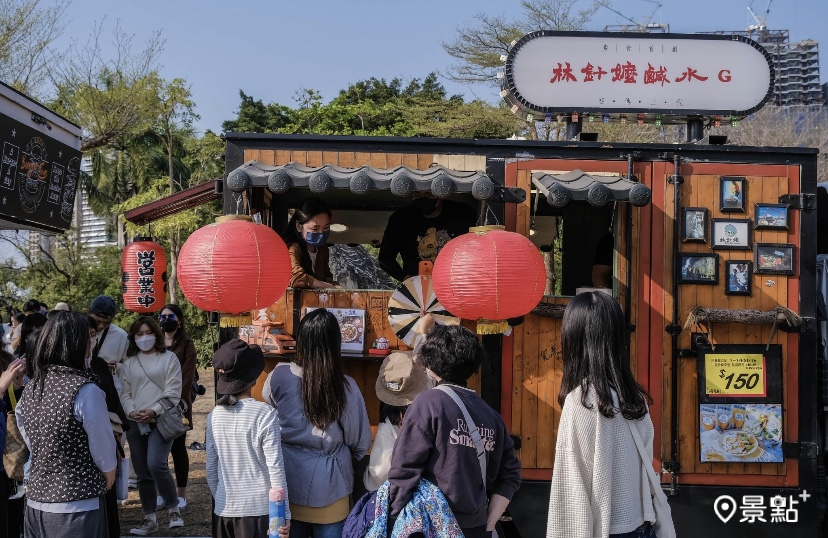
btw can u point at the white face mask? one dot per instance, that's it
(146, 342)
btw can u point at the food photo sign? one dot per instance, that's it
(740, 411)
(351, 325)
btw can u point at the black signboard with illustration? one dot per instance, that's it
(740, 411)
(38, 176)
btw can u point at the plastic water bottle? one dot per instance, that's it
(277, 511)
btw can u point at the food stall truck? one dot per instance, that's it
(713, 262)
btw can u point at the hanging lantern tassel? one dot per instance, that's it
(237, 320)
(489, 275)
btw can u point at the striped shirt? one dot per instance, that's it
(244, 458)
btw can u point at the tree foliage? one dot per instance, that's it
(27, 32)
(377, 107)
(478, 45)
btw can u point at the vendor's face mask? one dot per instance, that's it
(426, 206)
(317, 239)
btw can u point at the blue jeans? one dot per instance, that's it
(149, 455)
(644, 531)
(300, 529)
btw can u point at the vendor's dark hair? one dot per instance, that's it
(595, 357)
(29, 324)
(302, 214)
(318, 342)
(452, 352)
(392, 413)
(63, 341)
(132, 347)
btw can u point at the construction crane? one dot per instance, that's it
(636, 26)
(760, 22)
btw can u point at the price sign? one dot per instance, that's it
(734, 374)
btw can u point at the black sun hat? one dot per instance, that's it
(238, 365)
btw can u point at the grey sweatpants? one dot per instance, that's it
(91, 524)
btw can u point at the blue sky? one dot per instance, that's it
(271, 48)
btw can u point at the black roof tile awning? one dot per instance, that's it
(400, 181)
(597, 190)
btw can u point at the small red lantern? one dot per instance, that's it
(144, 276)
(489, 275)
(234, 266)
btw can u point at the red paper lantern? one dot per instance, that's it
(489, 275)
(144, 276)
(234, 266)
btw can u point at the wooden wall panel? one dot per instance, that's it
(698, 191)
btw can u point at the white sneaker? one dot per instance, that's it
(175, 520)
(182, 502)
(147, 526)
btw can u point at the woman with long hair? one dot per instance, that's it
(150, 384)
(601, 401)
(171, 320)
(30, 324)
(324, 423)
(306, 236)
(62, 416)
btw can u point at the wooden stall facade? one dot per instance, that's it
(529, 368)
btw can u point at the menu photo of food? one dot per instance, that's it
(351, 325)
(743, 433)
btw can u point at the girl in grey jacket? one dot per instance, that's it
(323, 422)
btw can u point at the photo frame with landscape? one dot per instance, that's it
(694, 225)
(770, 216)
(730, 234)
(732, 194)
(738, 275)
(698, 268)
(774, 258)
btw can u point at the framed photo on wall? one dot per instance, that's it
(770, 217)
(732, 194)
(774, 258)
(694, 225)
(696, 268)
(730, 234)
(738, 277)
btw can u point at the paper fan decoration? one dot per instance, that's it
(412, 299)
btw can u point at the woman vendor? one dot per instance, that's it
(306, 236)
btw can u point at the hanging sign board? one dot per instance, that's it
(40, 166)
(668, 74)
(740, 372)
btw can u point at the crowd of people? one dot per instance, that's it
(75, 387)
(442, 461)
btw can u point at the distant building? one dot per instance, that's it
(91, 230)
(796, 64)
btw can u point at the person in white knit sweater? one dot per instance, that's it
(600, 488)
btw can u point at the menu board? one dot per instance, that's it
(737, 433)
(351, 325)
(38, 177)
(740, 397)
(738, 373)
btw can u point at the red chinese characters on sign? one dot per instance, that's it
(562, 74)
(146, 277)
(627, 73)
(591, 72)
(653, 76)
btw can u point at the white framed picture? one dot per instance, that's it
(730, 234)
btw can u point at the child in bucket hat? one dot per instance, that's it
(244, 446)
(399, 381)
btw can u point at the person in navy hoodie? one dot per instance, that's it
(435, 442)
